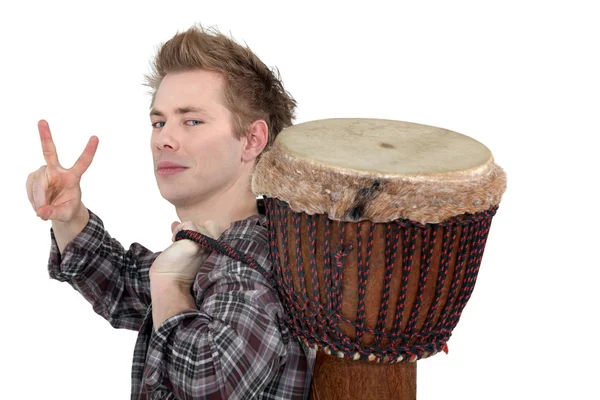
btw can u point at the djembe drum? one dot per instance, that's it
(377, 230)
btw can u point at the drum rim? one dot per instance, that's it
(316, 189)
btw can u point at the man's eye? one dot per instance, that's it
(157, 125)
(194, 122)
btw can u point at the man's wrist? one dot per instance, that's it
(65, 232)
(169, 297)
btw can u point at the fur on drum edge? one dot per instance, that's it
(314, 189)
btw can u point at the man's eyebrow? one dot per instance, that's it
(180, 110)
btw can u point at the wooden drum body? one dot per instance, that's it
(377, 231)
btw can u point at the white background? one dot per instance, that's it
(519, 76)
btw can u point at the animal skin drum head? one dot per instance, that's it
(384, 147)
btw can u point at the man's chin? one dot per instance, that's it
(176, 199)
(167, 193)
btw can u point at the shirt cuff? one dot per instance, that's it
(73, 260)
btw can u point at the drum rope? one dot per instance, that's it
(225, 249)
(427, 246)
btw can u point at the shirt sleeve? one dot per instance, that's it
(113, 280)
(231, 347)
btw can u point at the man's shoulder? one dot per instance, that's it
(250, 236)
(247, 238)
(246, 229)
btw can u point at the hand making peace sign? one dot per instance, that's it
(55, 192)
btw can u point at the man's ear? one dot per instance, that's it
(257, 137)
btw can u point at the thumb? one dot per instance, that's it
(45, 212)
(174, 226)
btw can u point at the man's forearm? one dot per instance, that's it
(168, 299)
(65, 232)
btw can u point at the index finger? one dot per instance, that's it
(48, 147)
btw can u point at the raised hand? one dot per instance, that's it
(53, 191)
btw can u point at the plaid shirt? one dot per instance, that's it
(234, 346)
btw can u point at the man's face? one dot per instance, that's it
(191, 127)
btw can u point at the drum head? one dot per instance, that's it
(376, 146)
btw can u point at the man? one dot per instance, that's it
(209, 326)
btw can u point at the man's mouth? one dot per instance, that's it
(170, 171)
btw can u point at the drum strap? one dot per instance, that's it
(225, 249)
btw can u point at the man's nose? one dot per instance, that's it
(165, 138)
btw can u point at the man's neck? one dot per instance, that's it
(222, 210)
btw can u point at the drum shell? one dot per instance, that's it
(382, 292)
